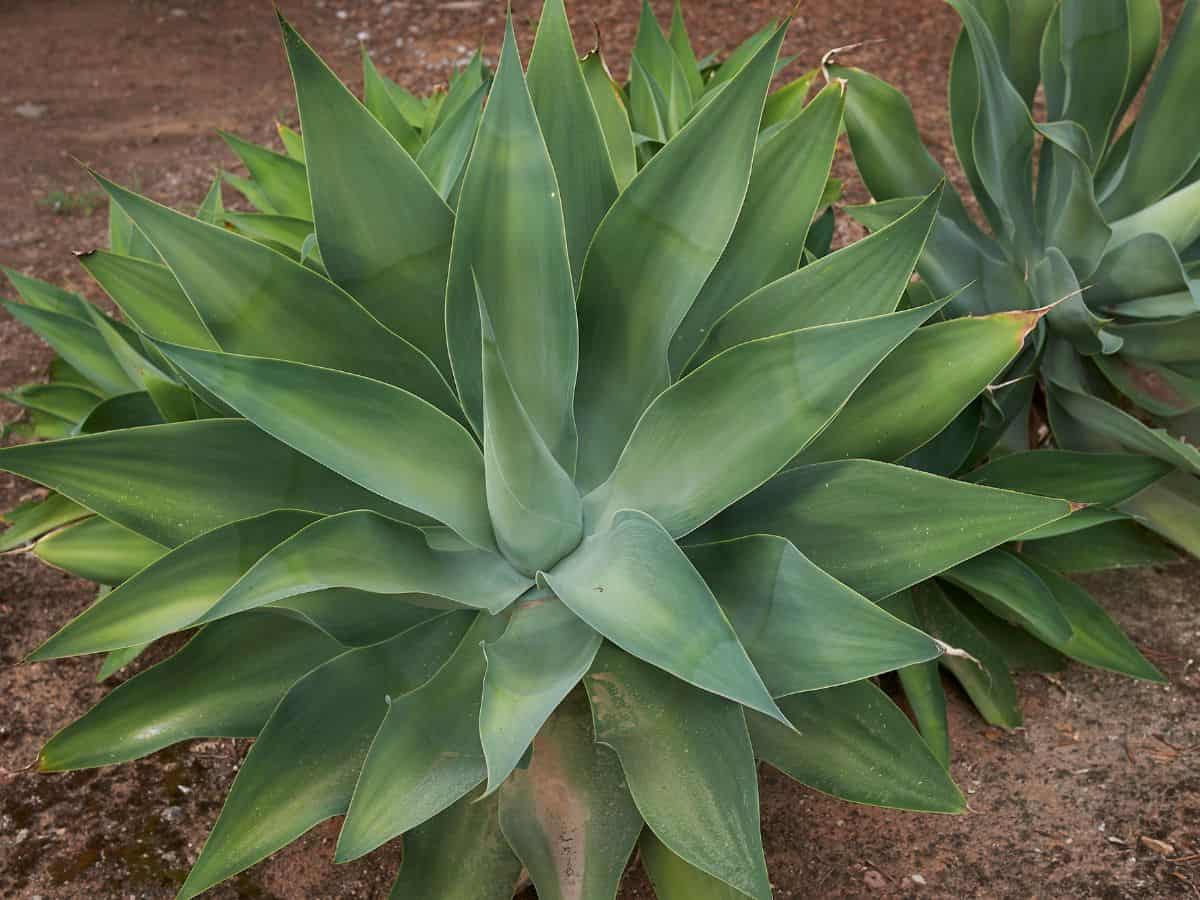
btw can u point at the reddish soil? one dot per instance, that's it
(136, 88)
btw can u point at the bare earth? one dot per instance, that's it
(136, 88)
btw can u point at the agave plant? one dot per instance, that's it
(498, 528)
(1108, 231)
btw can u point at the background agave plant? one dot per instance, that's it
(498, 526)
(1109, 230)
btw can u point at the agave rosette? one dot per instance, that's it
(498, 526)
(1108, 231)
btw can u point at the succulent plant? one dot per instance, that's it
(1108, 232)
(524, 528)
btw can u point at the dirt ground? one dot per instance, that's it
(1099, 796)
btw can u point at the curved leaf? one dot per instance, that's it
(509, 236)
(880, 528)
(921, 387)
(786, 184)
(98, 550)
(689, 764)
(1104, 479)
(675, 879)
(170, 594)
(708, 430)
(426, 754)
(223, 683)
(1010, 589)
(568, 815)
(31, 520)
(302, 768)
(257, 302)
(542, 655)
(368, 552)
(778, 601)
(198, 476)
(862, 280)
(634, 585)
(650, 258)
(572, 131)
(854, 743)
(382, 437)
(383, 229)
(613, 117)
(459, 854)
(1096, 639)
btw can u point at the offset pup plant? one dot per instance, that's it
(495, 519)
(1108, 231)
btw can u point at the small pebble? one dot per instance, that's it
(874, 880)
(29, 110)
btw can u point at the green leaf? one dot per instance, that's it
(171, 593)
(48, 297)
(281, 233)
(125, 239)
(115, 661)
(922, 684)
(509, 236)
(542, 655)
(33, 519)
(921, 387)
(357, 618)
(568, 815)
(368, 552)
(395, 108)
(1067, 209)
(426, 754)
(1002, 139)
(223, 683)
(572, 131)
(786, 184)
(293, 143)
(62, 400)
(1170, 507)
(122, 411)
(78, 342)
(415, 452)
(1110, 428)
(1096, 639)
(880, 528)
(1176, 217)
(613, 117)
(198, 475)
(1104, 479)
(98, 550)
(674, 879)
(1020, 649)
(444, 156)
(1095, 59)
(459, 854)
(708, 430)
(787, 102)
(150, 298)
(642, 275)
(1111, 545)
(633, 584)
(1010, 589)
(383, 229)
(777, 601)
(255, 301)
(681, 44)
(985, 675)
(282, 180)
(1166, 138)
(303, 766)
(534, 505)
(1026, 25)
(866, 279)
(689, 764)
(854, 743)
